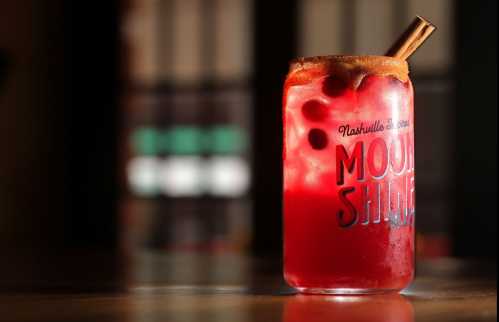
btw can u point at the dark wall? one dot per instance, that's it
(58, 116)
(31, 181)
(91, 71)
(476, 218)
(275, 46)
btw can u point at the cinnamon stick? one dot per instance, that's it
(412, 38)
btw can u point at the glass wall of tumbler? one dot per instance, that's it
(187, 126)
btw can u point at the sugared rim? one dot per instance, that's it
(351, 67)
(369, 60)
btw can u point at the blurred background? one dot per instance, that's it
(142, 126)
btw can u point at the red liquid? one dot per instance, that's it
(348, 184)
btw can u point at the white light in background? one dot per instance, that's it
(181, 176)
(227, 176)
(142, 175)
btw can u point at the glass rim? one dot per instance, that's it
(351, 64)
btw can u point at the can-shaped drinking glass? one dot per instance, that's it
(349, 189)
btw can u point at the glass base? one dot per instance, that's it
(345, 291)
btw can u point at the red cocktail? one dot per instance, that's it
(348, 175)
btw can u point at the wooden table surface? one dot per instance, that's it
(180, 287)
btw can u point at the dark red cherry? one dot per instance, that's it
(314, 110)
(334, 86)
(318, 139)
